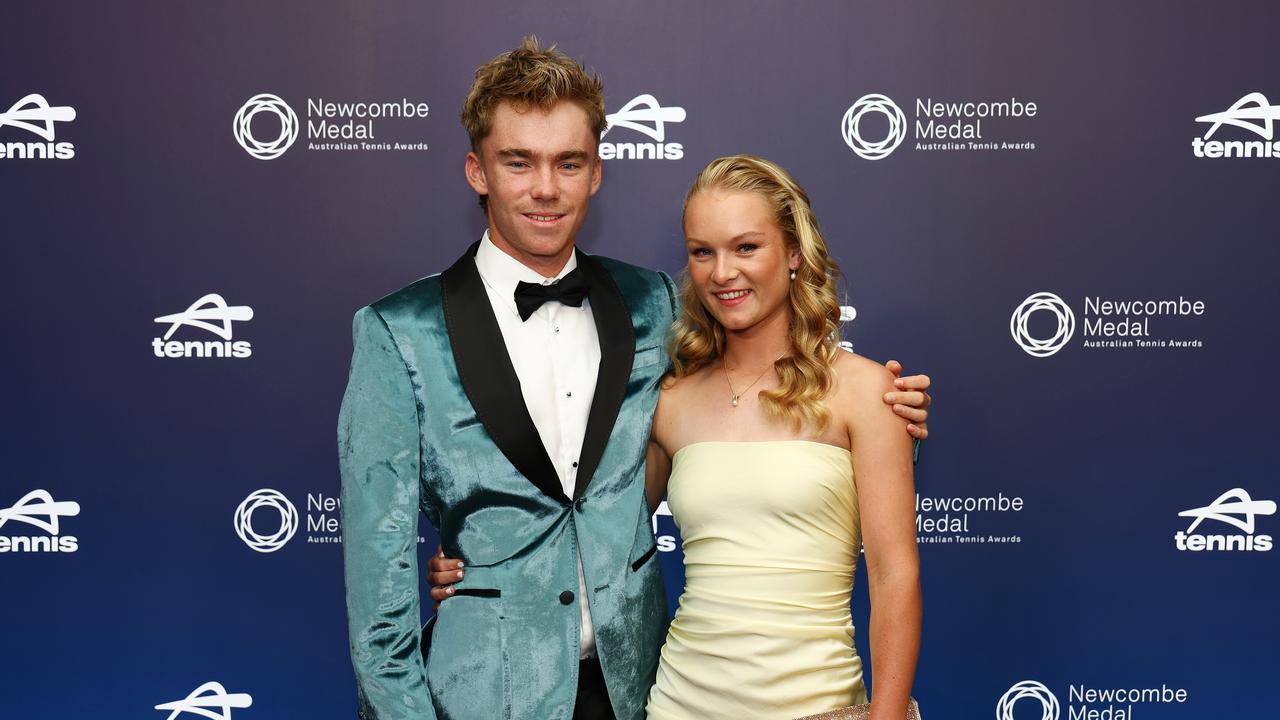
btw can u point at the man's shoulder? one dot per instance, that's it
(633, 278)
(410, 299)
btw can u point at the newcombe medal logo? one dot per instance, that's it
(271, 500)
(1033, 693)
(851, 127)
(1042, 346)
(875, 126)
(1044, 323)
(265, 148)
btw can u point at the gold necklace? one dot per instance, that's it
(724, 365)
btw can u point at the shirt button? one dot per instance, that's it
(569, 394)
(575, 463)
(557, 328)
(566, 597)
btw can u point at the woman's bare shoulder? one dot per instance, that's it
(860, 375)
(860, 383)
(676, 397)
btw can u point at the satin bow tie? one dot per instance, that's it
(570, 290)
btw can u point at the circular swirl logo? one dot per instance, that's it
(1028, 689)
(243, 126)
(244, 520)
(1037, 347)
(850, 127)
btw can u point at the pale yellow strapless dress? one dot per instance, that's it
(771, 540)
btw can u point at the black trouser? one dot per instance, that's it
(593, 698)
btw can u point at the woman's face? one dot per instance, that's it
(739, 262)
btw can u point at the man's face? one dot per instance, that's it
(539, 168)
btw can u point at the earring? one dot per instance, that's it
(793, 274)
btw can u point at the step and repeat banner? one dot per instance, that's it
(1066, 214)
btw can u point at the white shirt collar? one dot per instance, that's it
(501, 272)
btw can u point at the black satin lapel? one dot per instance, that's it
(617, 350)
(488, 378)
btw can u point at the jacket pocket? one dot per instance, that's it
(467, 666)
(640, 561)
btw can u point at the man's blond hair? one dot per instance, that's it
(531, 76)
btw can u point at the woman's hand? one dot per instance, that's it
(442, 573)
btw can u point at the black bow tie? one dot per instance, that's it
(570, 290)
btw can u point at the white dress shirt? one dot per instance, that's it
(556, 354)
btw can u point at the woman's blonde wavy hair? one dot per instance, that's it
(805, 373)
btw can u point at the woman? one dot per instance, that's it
(779, 460)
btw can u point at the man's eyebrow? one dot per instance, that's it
(525, 154)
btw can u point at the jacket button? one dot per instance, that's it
(566, 597)
(579, 503)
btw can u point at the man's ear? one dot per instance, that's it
(597, 172)
(475, 175)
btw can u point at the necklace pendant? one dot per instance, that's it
(734, 401)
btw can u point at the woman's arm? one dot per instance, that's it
(886, 505)
(657, 468)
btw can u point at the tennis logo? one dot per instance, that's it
(1235, 508)
(1042, 346)
(34, 114)
(1254, 113)
(1031, 691)
(255, 146)
(851, 127)
(38, 509)
(643, 114)
(210, 701)
(211, 307)
(257, 500)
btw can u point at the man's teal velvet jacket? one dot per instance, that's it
(433, 419)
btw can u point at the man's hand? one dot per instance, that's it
(442, 573)
(910, 401)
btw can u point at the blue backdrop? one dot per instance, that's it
(1097, 500)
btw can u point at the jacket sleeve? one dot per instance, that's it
(378, 453)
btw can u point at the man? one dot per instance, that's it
(509, 398)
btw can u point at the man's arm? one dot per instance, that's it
(379, 462)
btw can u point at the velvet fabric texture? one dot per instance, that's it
(433, 420)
